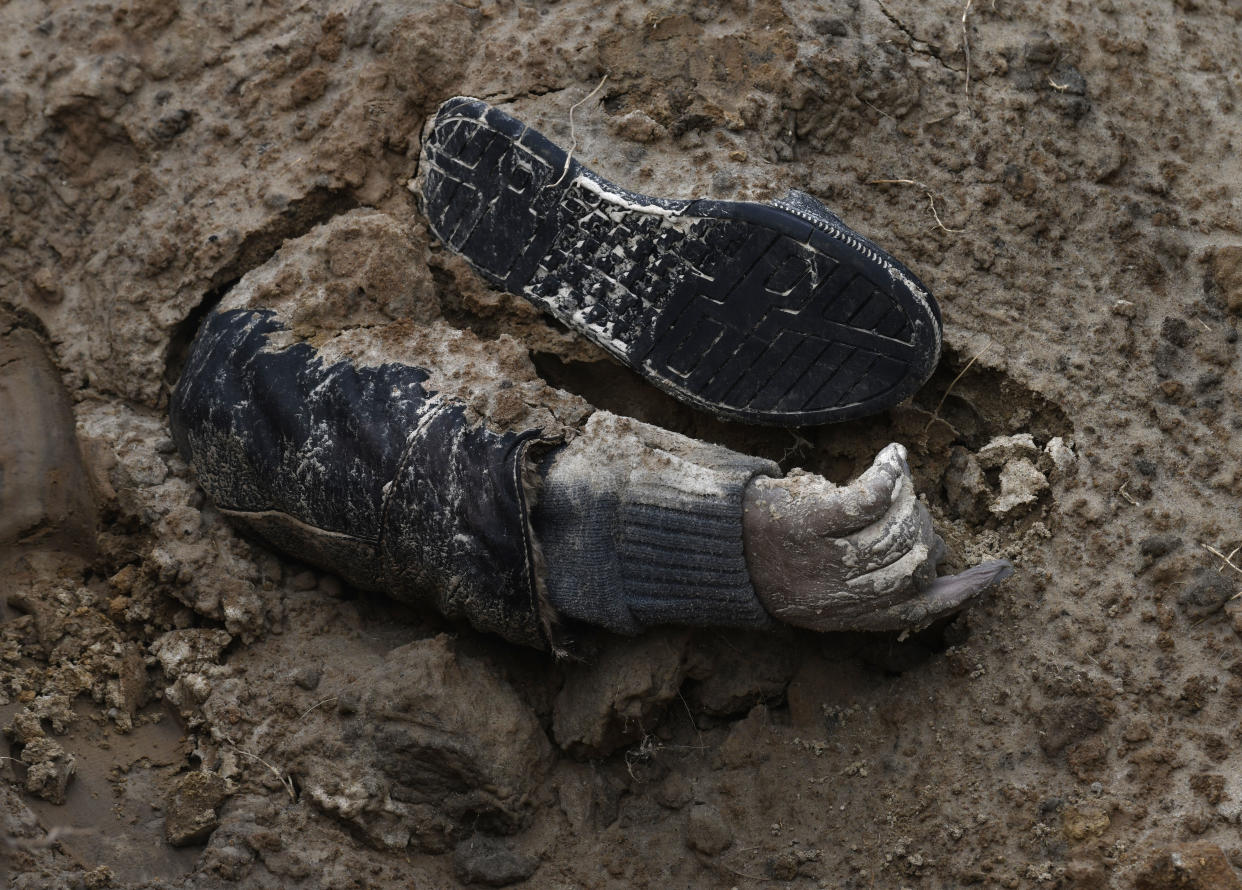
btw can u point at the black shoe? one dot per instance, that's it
(766, 313)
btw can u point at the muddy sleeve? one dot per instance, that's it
(640, 526)
(359, 470)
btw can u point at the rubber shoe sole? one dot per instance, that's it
(767, 313)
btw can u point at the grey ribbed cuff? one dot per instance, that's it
(640, 526)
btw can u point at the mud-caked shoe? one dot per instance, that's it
(770, 313)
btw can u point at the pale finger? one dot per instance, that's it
(942, 597)
(906, 525)
(867, 499)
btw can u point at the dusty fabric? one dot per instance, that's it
(641, 526)
(366, 471)
(360, 470)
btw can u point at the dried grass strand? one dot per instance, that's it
(960, 375)
(573, 130)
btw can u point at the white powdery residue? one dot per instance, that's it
(671, 480)
(603, 335)
(1061, 454)
(367, 346)
(318, 453)
(581, 465)
(246, 294)
(1003, 449)
(435, 405)
(172, 656)
(915, 291)
(618, 454)
(616, 347)
(891, 577)
(918, 293)
(1021, 485)
(459, 365)
(598, 188)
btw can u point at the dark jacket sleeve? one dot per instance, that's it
(363, 471)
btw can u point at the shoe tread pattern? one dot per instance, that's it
(745, 310)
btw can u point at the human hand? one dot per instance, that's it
(855, 557)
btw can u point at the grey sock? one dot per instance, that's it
(640, 526)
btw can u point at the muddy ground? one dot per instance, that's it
(185, 709)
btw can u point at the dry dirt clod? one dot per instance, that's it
(707, 831)
(49, 768)
(1070, 720)
(192, 649)
(25, 728)
(1206, 593)
(746, 744)
(1021, 484)
(1156, 546)
(674, 792)
(192, 806)
(637, 126)
(1083, 875)
(965, 485)
(1233, 610)
(1082, 822)
(426, 762)
(307, 677)
(731, 672)
(1058, 457)
(1193, 866)
(1227, 273)
(617, 698)
(1004, 449)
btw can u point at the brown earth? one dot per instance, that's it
(1064, 176)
